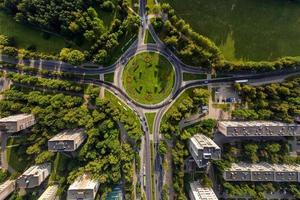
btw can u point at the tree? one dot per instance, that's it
(251, 152)
(74, 57)
(162, 148)
(4, 40)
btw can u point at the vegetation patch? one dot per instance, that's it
(189, 77)
(148, 37)
(148, 78)
(150, 119)
(109, 77)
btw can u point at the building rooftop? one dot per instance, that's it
(201, 141)
(263, 167)
(253, 123)
(36, 169)
(49, 193)
(15, 118)
(4, 185)
(202, 193)
(67, 135)
(83, 182)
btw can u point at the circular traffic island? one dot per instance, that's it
(148, 78)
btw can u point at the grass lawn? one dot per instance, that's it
(150, 119)
(243, 29)
(109, 77)
(148, 78)
(115, 101)
(189, 77)
(16, 155)
(26, 36)
(148, 37)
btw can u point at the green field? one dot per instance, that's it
(148, 78)
(25, 35)
(245, 29)
(150, 119)
(148, 37)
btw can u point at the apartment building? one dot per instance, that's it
(34, 176)
(67, 141)
(198, 192)
(257, 129)
(7, 188)
(262, 172)
(83, 188)
(16, 123)
(50, 193)
(203, 149)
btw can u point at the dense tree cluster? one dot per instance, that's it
(263, 66)
(104, 156)
(277, 101)
(80, 21)
(192, 47)
(254, 152)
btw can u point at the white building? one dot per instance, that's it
(203, 149)
(197, 192)
(257, 129)
(16, 123)
(67, 141)
(7, 188)
(84, 188)
(262, 172)
(50, 193)
(34, 176)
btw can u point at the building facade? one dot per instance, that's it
(34, 176)
(16, 123)
(257, 129)
(197, 192)
(83, 188)
(262, 172)
(7, 188)
(203, 149)
(67, 141)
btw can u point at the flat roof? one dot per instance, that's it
(36, 169)
(15, 118)
(202, 193)
(201, 141)
(83, 182)
(253, 123)
(67, 135)
(49, 192)
(4, 185)
(264, 167)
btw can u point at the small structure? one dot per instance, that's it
(50, 193)
(197, 192)
(34, 176)
(16, 123)
(83, 188)
(67, 141)
(7, 188)
(203, 149)
(262, 172)
(257, 129)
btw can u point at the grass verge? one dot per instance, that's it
(150, 119)
(148, 37)
(189, 77)
(109, 77)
